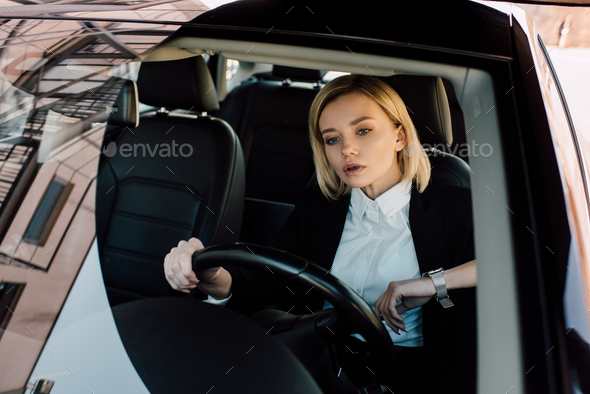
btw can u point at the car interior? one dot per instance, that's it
(258, 127)
(208, 137)
(252, 154)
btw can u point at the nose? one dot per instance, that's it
(348, 147)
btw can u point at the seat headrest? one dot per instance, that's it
(125, 109)
(178, 84)
(428, 106)
(297, 74)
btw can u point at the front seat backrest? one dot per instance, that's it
(173, 177)
(427, 103)
(269, 115)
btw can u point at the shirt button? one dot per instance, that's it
(358, 291)
(367, 257)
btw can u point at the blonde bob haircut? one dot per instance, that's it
(412, 159)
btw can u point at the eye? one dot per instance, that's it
(361, 132)
(330, 139)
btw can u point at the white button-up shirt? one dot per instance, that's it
(376, 248)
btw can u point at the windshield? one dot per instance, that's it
(104, 169)
(58, 82)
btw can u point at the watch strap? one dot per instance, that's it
(440, 286)
(441, 290)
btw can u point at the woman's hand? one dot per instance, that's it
(413, 293)
(178, 267)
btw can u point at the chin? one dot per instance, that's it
(356, 183)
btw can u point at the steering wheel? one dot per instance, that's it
(350, 307)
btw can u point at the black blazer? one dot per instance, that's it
(442, 230)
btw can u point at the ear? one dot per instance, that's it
(401, 138)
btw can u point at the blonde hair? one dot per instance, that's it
(412, 159)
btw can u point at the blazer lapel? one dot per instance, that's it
(425, 223)
(326, 233)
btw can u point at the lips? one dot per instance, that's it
(352, 167)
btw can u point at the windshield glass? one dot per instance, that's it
(93, 196)
(58, 83)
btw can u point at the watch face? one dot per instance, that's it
(435, 271)
(430, 273)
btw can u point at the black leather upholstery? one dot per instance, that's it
(274, 136)
(428, 106)
(449, 169)
(149, 197)
(185, 84)
(271, 121)
(459, 136)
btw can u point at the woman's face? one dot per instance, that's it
(356, 130)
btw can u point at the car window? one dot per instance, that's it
(576, 300)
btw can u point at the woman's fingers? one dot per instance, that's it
(386, 316)
(392, 311)
(179, 275)
(392, 321)
(173, 278)
(391, 324)
(378, 309)
(395, 294)
(170, 275)
(185, 263)
(185, 259)
(178, 265)
(383, 309)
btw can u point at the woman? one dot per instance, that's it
(373, 187)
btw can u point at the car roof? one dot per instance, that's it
(457, 26)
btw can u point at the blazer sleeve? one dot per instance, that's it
(470, 249)
(252, 289)
(467, 207)
(455, 207)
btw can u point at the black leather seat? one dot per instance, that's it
(269, 114)
(428, 106)
(172, 177)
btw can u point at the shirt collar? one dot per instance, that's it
(389, 202)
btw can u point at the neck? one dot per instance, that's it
(373, 191)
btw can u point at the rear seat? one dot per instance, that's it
(269, 115)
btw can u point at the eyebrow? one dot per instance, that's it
(351, 123)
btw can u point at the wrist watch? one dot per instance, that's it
(441, 288)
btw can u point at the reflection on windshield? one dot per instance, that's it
(58, 82)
